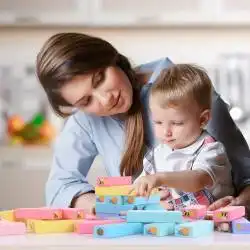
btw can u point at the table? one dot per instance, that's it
(218, 241)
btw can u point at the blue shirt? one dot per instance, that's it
(85, 136)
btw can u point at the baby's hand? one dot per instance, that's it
(144, 185)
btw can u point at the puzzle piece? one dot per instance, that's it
(51, 226)
(159, 229)
(151, 216)
(114, 181)
(153, 199)
(228, 213)
(7, 215)
(12, 228)
(119, 200)
(195, 211)
(87, 227)
(194, 229)
(38, 213)
(241, 226)
(72, 213)
(117, 230)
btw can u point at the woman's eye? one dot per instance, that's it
(86, 102)
(158, 122)
(99, 77)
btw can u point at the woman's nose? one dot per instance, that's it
(104, 98)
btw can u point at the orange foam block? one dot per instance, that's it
(72, 213)
(87, 226)
(38, 213)
(12, 228)
(228, 213)
(114, 181)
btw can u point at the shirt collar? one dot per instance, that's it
(193, 148)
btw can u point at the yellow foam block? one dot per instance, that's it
(7, 215)
(114, 190)
(118, 190)
(51, 226)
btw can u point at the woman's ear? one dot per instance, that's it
(205, 117)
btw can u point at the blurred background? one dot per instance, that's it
(214, 34)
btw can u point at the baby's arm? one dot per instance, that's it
(210, 164)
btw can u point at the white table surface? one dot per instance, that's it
(218, 241)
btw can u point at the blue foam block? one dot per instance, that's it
(115, 209)
(117, 230)
(110, 216)
(150, 216)
(159, 229)
(195, 228)
(142, 200)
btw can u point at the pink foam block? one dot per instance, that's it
(114, 181)
(195, 211)
(38, 213)
(72, 213)
(229, 213)
(87, 226)
(90, 217)
(12, 228)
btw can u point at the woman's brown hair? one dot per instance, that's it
(66, 55)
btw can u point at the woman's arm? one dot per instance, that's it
(223, 128)
(73, 156)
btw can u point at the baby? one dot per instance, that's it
(190, 163)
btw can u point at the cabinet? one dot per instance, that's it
(44, 12)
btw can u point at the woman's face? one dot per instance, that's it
(103, 93)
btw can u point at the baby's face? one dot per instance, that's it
(177, 126)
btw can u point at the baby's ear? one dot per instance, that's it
(205, 117)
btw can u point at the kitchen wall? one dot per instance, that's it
(24, 186)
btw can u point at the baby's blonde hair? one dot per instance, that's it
(182, 83)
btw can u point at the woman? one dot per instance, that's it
(109, 100)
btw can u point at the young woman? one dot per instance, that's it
(107, 100)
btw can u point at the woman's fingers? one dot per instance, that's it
(225, 201)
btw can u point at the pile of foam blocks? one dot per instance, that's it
(119, 212)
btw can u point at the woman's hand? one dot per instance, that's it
(85, 201)
(242, 200)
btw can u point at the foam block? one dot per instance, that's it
(159, 229)
(194, 229)
(114, 209)
(38, 213)
(87, 227)
(225, 227)
(151, 216)
(7, 215)
(114, 190)
(104, 216)
(241, 226)
(228, 213)
(72, 213)
(157, 206)
(195, 211)
(110, 199)
(117, 230)
(153, 199)
(12, 228)
(114, 181)
(51, 226)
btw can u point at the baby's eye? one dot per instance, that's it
(178, 123)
